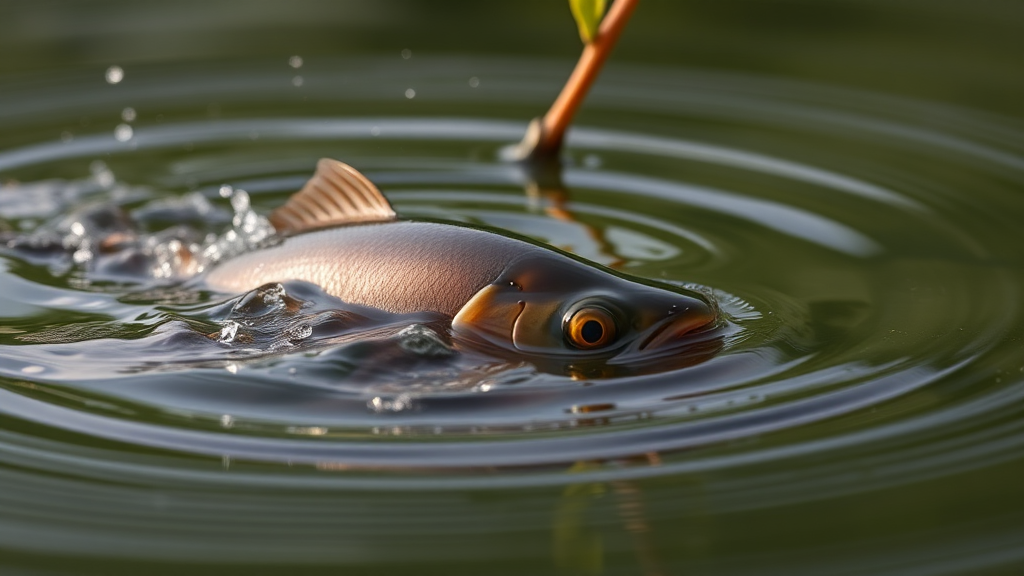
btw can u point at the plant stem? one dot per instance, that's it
(544, 137)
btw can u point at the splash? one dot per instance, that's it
(98, 228)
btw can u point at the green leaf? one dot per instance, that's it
(588, 14)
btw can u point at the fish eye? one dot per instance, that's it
(590, 328)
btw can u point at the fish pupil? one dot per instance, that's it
(592, 331)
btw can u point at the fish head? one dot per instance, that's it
(558, 308)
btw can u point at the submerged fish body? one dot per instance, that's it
(501, 293)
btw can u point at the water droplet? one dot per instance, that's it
(104, 177)
(114, 75)
(232, 368)
(297, 81)
(226, 421)
(240, 201)
(123, 133)
(410, 93)
(226, 191)
(228, 333)
(77, 229)
(400, 403)
(406, 54)
(375, 131)
(474, 82)
(295, 62)
(128, 114)
(82, 256)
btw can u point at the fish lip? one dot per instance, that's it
(660, 336)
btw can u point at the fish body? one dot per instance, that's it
(399, 267)
(500, 292)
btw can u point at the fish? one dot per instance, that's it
(500, 292)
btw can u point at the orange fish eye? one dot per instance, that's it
(590, 328)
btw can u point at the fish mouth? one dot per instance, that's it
(674, 328)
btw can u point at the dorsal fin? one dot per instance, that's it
(336, 194)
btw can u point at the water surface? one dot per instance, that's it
(859, 409)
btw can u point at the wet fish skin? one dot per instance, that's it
(400, 267)
(339, 232)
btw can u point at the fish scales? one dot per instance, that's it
(399, 266)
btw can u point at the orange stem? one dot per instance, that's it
(559, 116)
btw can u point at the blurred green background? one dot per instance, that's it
(953, 51)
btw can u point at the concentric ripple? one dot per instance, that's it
(860, 248)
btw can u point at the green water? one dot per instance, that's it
(842, 178)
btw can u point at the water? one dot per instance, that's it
(858, 413)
